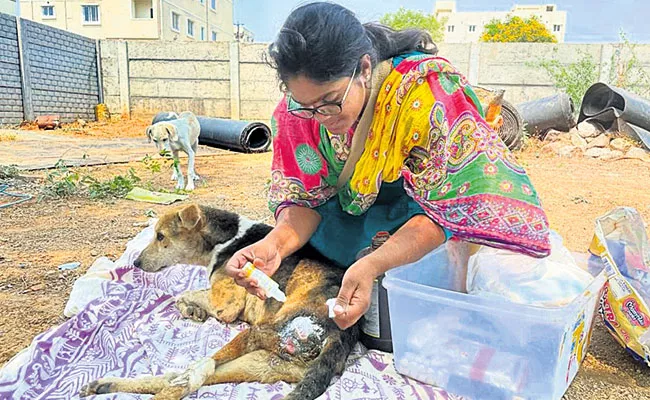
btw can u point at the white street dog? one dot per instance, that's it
(176, 135)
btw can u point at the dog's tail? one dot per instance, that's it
(330, 362)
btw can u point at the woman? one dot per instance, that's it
(376, 133)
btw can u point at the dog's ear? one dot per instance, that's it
(191, 217)
(148, 133)
(171, 132)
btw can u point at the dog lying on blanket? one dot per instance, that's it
(294, 341)
(179, 134)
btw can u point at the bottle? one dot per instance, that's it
(270, 286)
(375, 325)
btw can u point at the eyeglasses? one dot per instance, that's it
(327, 109)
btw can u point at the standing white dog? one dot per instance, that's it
(176, 135)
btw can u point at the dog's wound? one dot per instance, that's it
(301, 337)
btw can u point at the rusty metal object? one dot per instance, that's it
(491, 101)
(501, 116)
(48, 121)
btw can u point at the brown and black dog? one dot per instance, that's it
(294, 341)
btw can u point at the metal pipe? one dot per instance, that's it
(247, 137)
(553, 112)
(617, 110)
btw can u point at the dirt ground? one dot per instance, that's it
(122, 128)
(36, 237)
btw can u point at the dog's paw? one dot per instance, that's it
(228, 315)
(190, 185)
(180, 184)
(193, 378)
(191, 310)
(101, 386)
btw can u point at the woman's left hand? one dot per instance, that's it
(354, 296)
(412, 241)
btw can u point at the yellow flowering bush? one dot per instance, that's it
(516, 29)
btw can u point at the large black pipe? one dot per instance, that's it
(617, 110)
(552, 112)
(249, 137)
(164, 116)
(244, 136)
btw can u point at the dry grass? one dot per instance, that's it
(8, 136)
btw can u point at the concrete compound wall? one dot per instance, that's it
(155, 78)
(49, 71)
(218, 79)
(45, 70)
(515, 67)
(60, 70)
(232, 80)
(11, 103)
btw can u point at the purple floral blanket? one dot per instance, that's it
(123, 322)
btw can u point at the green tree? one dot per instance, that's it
(403, 19)
(516, 29)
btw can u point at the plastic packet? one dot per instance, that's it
(622, 245)
(553, 281)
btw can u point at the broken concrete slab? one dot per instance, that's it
(620, 144)
(597, 152)
(638, 154)
(600, 141)
(589, 130)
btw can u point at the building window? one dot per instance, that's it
(90, 14)
(190, 28)
(472, 28)
(202, 33)
(176, 22)
(142, 9)
(213, 4)
(48, 12)
(214, 36)
(550, 8)
(556, 28)
(450, 28)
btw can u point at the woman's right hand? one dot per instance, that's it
(292, 230)
(265, 256)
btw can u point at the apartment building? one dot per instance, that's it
(242, 34)
(466, 27)
(182, 20)
(9, 7)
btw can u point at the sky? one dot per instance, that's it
(588, 21)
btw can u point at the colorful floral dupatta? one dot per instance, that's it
(429, 128)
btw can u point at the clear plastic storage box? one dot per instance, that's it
(483, 348)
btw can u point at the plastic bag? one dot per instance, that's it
(553, 281)
(621, 244)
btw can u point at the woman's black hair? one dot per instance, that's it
(325, 41)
